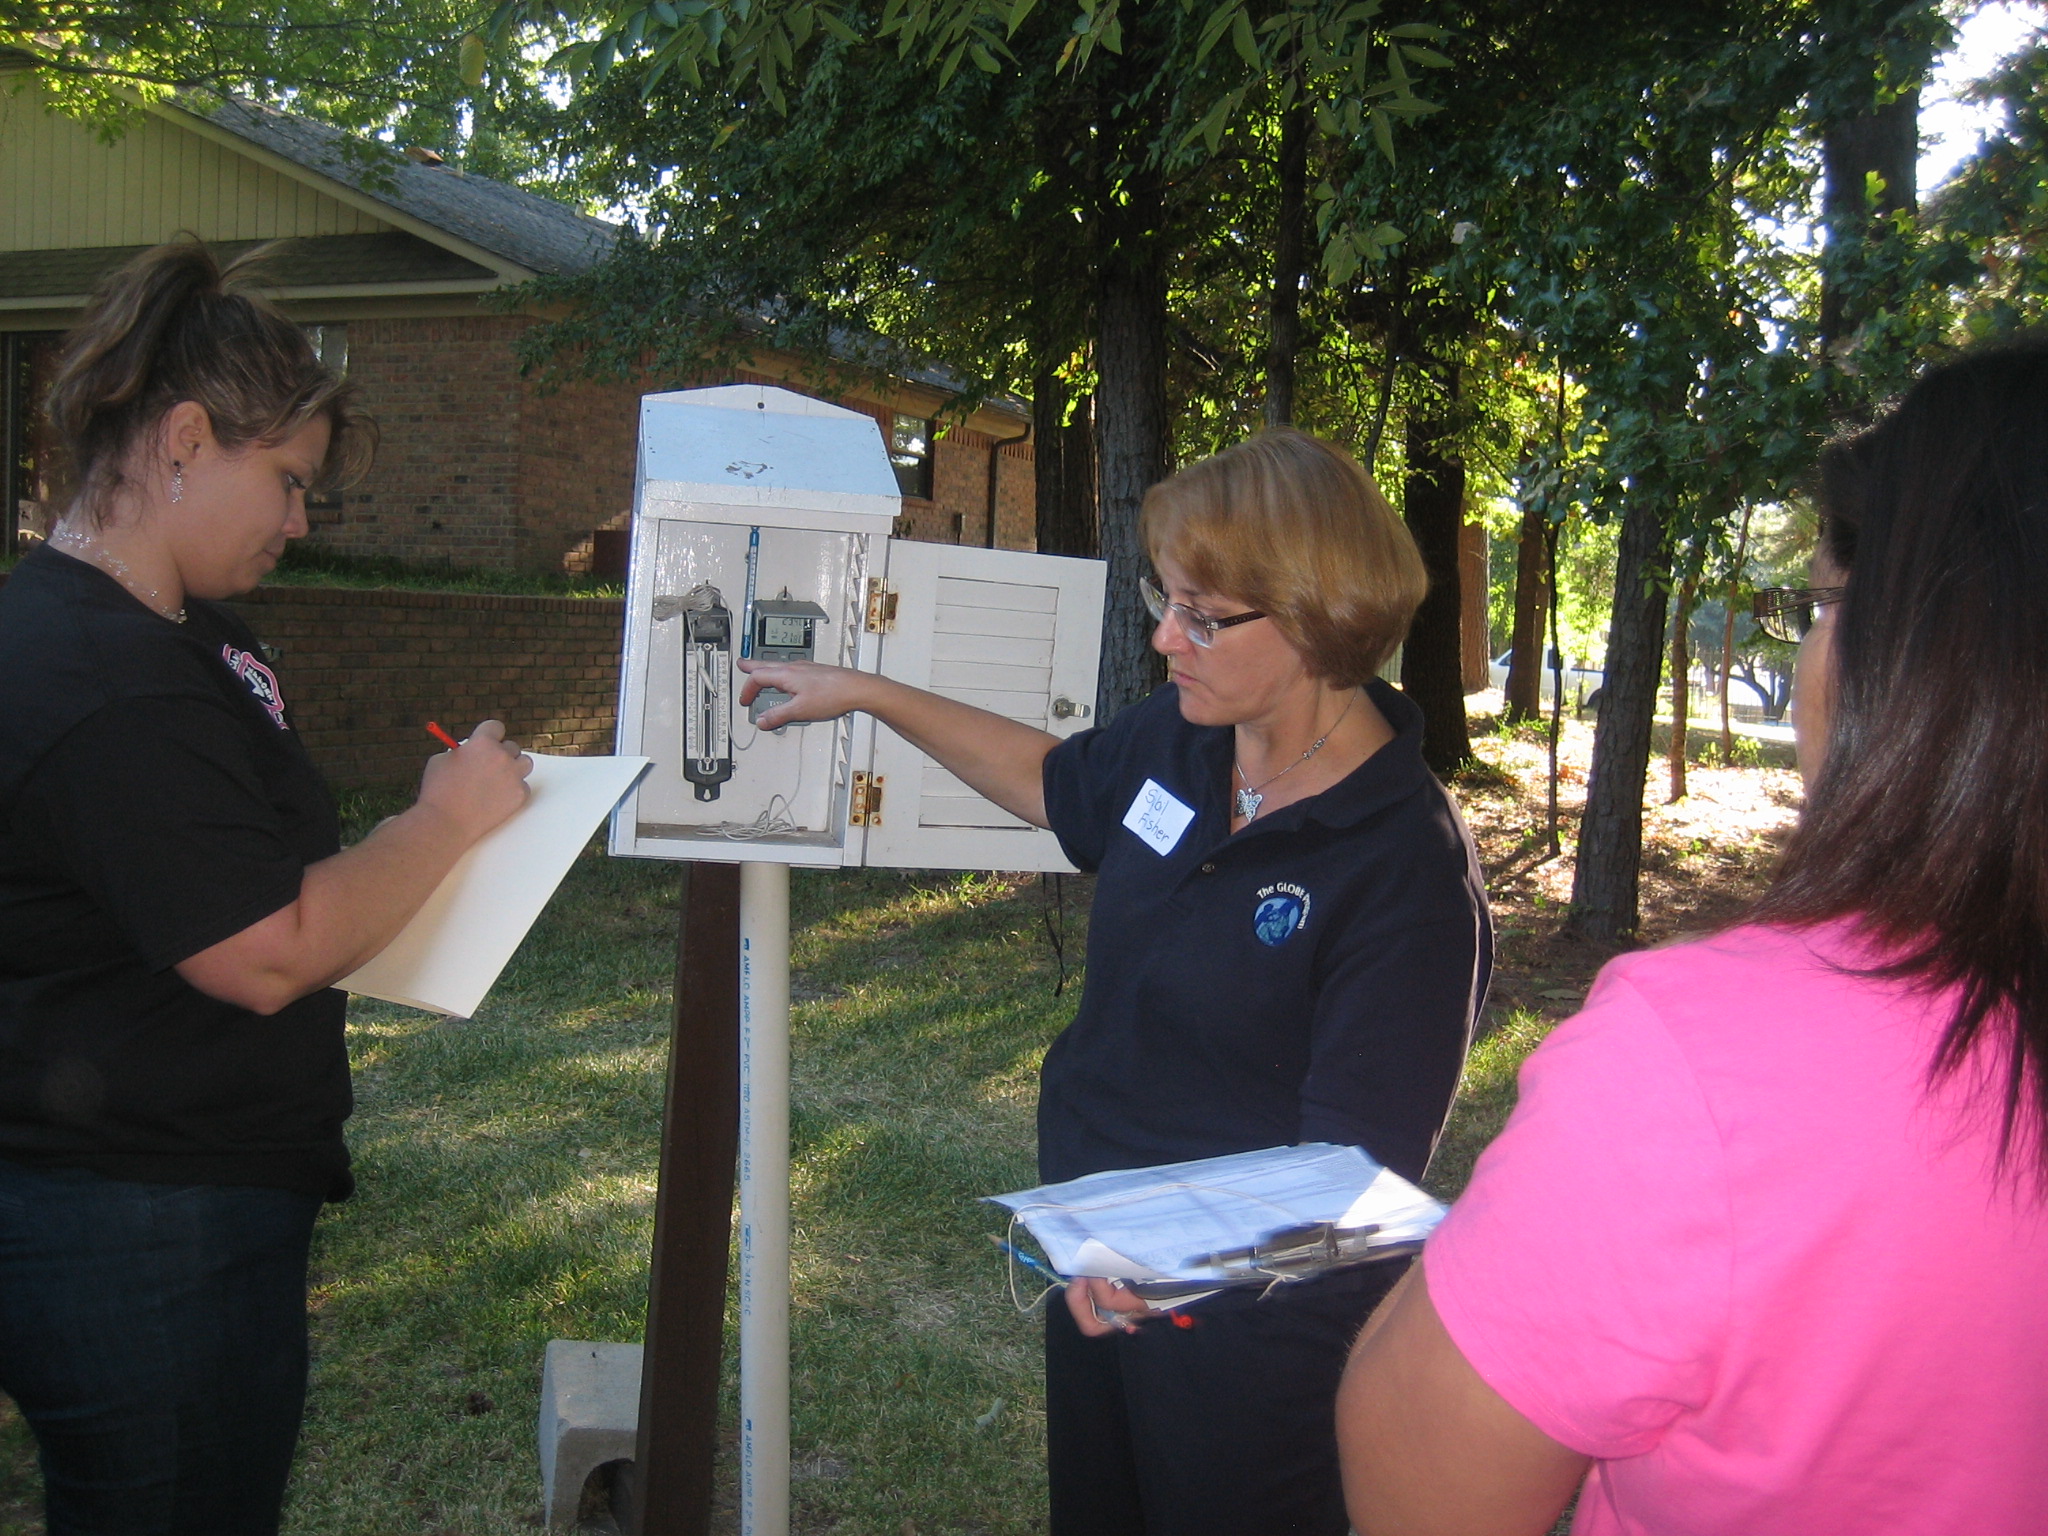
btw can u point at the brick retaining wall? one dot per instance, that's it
(363, 669)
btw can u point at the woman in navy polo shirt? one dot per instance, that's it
(1289, 943)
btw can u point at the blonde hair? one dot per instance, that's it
(175, 325)
(1294, 527)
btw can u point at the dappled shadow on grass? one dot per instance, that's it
(506, 1174)
(915, 1059)
(507, 1170)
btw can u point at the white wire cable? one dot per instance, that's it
(769, 823)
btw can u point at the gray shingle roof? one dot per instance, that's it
(534, 231)
(523, 227)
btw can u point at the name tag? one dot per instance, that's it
(1158, 818)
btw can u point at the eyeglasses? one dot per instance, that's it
(1198, 627)
(1787, 613)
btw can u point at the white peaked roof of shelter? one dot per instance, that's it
(751, 448)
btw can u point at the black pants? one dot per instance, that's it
(155, 1339)
(1223, 1428)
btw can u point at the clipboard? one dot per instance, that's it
(1180, 1231)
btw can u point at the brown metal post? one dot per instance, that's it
(678, 1433)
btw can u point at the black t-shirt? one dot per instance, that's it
(1314, 977)
(154, 801)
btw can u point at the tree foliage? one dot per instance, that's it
(812, 174)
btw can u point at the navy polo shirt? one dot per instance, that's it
(1314, 977)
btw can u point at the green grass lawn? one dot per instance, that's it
(507, 1179)
(506, 1168)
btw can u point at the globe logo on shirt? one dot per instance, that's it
(1277, 917)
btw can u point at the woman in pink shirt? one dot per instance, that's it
(1764, 1248)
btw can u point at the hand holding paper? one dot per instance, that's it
(448, 957)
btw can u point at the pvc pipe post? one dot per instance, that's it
(764, 1200)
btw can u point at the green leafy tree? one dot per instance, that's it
(1623, 251)
(1049, 254)
(1988, 226)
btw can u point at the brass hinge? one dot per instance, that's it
(881, 616)
(867, 800)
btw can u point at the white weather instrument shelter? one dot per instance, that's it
(761, 526)
(753, 503)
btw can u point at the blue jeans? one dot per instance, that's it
(154, 1337)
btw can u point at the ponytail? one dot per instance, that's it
(174, 325)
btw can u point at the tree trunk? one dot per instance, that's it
(1283, 329)
(1728, 634)
(1048, 415)
(1130, 430)
(1551, 532)
(1681, 683)
(1077, 469)
(1432, 671)
(1063, 469)
(1610, 855)
(1525, 667)
(1884, 142)
(1475, 637)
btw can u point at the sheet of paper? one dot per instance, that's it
(1146, 1223)
(450, 954)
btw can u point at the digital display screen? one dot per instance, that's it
(785, 633)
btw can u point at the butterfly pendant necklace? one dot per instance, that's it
(1249, 798)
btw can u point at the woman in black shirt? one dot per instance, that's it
(174, 908)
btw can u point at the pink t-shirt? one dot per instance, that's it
(1734, 1246)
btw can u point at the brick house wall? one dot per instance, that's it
(577, 449)
(445, 395)
(1016, 497)
(960, 488)
(478, 468)
(958, 510)
(363, 671)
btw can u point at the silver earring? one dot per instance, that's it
(177, 481)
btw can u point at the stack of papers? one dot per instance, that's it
(1228, 1220)
(451, 953)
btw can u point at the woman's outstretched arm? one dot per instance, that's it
(993, 755)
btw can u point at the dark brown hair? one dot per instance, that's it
(174, 325)
(1928, 822)
(1294, 527)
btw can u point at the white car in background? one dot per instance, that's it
(1580, 683)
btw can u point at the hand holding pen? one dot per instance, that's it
(479, 782)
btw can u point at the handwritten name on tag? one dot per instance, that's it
(1158, 818)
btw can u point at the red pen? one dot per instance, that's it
(434, 726)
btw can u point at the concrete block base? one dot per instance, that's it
(589, 1412)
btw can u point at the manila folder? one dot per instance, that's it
(450, 954)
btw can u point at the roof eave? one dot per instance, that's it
(508, 270)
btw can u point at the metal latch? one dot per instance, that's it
(1064, 708)
(881, 611)
(867, 800)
